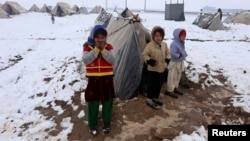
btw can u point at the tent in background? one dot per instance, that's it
(34, 8)
(216, 24)
(62, 9)
(129, 37)
(174, 11)
(97, 9)
(45, 9)
(242, 17)
(228, 19)
(3, 14)
(13, 8)
(83, 10)
(76, 9)
(103, 18)
(209, 21)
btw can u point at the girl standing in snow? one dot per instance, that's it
(176, 65)
(99, 58)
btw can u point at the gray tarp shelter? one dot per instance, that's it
(62, 9)
(216, 24)
(174, 11)
(129, 37)
(34, 8)
(3, 14)
(13, 8)
(83, 10)
(76, 9)
(97, 9)
(209, 21)
(45, 9)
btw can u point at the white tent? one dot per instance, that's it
(45, 9)
(62, 9)
(13, 8)
(76, 9)
(83, 10)
(3, 14)
(97, 9)
(242, 17)
(34, 8)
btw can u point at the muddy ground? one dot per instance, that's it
(133, 120)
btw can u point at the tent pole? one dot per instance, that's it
(144, 5)
(106, 5)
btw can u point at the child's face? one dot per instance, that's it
(100, 40)
(158, 37)
(182, 37)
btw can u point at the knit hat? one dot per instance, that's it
(91, 41)
(101, 31)
(183, 32)
(98, 29)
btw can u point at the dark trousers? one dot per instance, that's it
(143, 82)
(154, 84)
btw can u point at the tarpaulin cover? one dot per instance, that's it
(128, 37)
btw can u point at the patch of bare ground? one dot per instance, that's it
(133, 120)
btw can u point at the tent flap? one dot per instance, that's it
(129, 38)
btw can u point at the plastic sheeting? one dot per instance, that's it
(216, 24)
(128, 37)
(128, 69)
(209, 21)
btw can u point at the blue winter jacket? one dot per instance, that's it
(177, 47)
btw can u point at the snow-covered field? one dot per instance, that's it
(39, 64)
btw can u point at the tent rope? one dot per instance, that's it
(131, 21)
(136, 38)
(118, 29)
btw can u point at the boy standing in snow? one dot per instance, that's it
(220, 13)
(156, 54)
(176, 65)
(52, 19)
(99, 58)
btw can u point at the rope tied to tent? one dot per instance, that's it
(118, 29)
(131, 21)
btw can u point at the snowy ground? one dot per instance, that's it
(39, 63)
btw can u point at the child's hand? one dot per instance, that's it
(180, 55)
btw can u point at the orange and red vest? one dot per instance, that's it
(99, 67)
